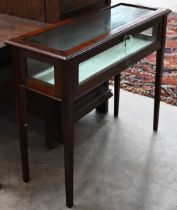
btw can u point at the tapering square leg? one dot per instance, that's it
(23, 137)
(68, 140)
(158, 77)
(20, 95)
(116, 94)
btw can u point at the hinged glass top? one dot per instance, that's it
(76, 33)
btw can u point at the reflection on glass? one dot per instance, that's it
(74, 34)
(129, 46)
(40, 71)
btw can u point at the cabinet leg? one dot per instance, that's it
(68, 138)
(158, 77)
(116, 94)
(23, 137)
(21, 114)
(68, 175)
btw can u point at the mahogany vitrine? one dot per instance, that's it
(71, 58)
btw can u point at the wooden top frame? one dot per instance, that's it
(27, 41)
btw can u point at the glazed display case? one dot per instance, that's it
(71, 58)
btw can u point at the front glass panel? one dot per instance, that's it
(74, 34)
(122, 51)
(40, 71)
(130, 44)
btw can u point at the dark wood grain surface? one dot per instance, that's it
(49, 10)
(14, 26)
(24, 8)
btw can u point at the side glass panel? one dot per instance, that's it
(130, 45)
(40, 71)
(149, 34)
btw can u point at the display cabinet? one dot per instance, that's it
(71, 58)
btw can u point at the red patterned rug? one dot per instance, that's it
(140, 77)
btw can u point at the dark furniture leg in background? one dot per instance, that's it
(103, 108)
(158, 77)
(116, 94)
(97, 98)
(53, 131)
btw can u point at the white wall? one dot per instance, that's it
(171, 4)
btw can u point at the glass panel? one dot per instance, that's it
(148, 34)
(40, 71)
(129, 46)
(74, 34)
